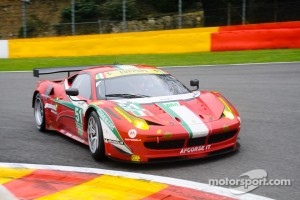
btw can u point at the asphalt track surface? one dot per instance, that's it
(266, 95)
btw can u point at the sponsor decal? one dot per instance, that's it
(195, 149)
(126, 67)
(162, 98)
(54, 112)
(51, 106)
(135, 158)
(116, 73)
(132, 133)
(171, 104)
(135, 109)
(133, 139)
(113, 141)
(225, 128)
(168, 135)
(104, 116)
(110, 131)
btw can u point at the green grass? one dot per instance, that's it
(207, 58)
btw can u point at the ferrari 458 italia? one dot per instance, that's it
(135, 113)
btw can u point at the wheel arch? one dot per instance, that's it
(87, 114)
(41, 123)
(33, 97)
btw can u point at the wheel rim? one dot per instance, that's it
(38, 112)
(93, 134)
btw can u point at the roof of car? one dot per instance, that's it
(118, 70)
(110, 71)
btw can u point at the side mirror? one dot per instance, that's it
(194, 82)
(72, 92)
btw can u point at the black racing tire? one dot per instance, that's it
(39, 113)
(95, 136)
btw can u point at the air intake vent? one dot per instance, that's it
(163, 145)
(196, 141)
(220, 137)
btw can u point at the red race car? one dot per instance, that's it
(135, 113)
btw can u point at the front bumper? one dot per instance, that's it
(178, 145)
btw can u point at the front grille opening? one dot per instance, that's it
(220, 137)
(196, 141)
(163, 145)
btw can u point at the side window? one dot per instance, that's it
(83, 83)
(100, 89)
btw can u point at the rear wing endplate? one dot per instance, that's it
(42, 71)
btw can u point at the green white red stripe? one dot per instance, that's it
(189, 120)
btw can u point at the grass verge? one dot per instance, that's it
(206, 58)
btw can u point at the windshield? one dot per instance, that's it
(139, 86)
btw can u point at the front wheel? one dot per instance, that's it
(95, 136)
(39, 113)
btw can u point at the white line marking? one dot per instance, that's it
(194, 66)
(161, 179)
(236, 64)
(16, 72)
(5, 194)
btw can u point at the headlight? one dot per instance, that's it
(141, 124)
(227, 112)
(137, 122)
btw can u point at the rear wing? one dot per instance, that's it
(42, 71)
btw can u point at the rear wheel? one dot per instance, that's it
(95, 136)
(39, 113)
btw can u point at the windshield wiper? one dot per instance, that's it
(127, 95)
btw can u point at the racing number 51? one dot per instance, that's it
(78, 116)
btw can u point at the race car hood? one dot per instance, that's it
(193, 108)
